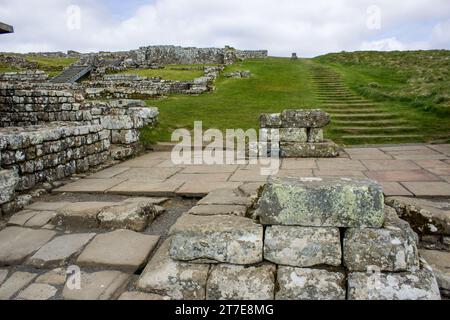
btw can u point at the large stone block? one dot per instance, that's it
(304, 119)
(293, 135)
(420, 285)
(317, 202)
(230, 282)
(8, 182)
(227, 239)
(388, 250)
(310, 284)
(117, 122)
(302, 246)
(270, 120)
(178, 280)
(325, 149)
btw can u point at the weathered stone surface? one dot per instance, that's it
(420, 285)
(393, 222)
(60, 250)
(16, 282)
(120, 250)
(17, 243)
(226, 239)
(38, 291)
(103, 285)
(425, 216)
(440, 262)
(141, 296)
(388, 250)
(230, 282)
(179, 280)
(270, 120)
(225, 197)
(304, 119)
(325, 149)
(315, 135)
(133, 214)
(322, 203)
(30, 218)
(81, 214)
(8, 182)
(310, 284)
(302, 246)
(293, 135)
(3, 275)
(219, 209)
(56, 277)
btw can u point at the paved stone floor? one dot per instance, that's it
(412, 170)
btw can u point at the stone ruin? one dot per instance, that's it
(300, 134)
(47, 135)
(294, 56)
(307, 239)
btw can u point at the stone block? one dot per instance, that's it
(9, 179)
(219, 209)
(179, 280)
(302, 246)
(226, 239)
(80, 215)
(16, 282)
(293, 135)
(270, 120)
(310, 284)
(440, 262)
(304, 119)
(317, 202)
(38, 291)
(326, 149)
(315, 135)
(231, 282)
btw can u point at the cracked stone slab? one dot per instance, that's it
(60, 250)
(226, 239)
(388, 250)
(80, 215)
(38, 291)
(225, 197)
(133, 214)
(119, 250)
(179, 280)
(17, 243)
(16, 282)
(231, 282)
(322, 202)
(302, 246)
(310, 284)
(47, 206)
(419, 285)
(31, 218)
(219, 209)
(90, 186)
(55, 277)
(103, 285)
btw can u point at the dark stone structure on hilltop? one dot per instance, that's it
(5, 28)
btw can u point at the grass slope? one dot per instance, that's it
(275, 85)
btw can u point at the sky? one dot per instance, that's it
(307, 27)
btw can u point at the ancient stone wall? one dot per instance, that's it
(24, 76)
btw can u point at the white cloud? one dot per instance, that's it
(282, 26)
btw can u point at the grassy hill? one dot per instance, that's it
(419, 78)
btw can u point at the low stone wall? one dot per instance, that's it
(52, 151)
(24, 76)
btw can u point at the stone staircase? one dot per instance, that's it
(355, 119)
(72, 74)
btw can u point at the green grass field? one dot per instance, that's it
(52, 66)
(278, 84)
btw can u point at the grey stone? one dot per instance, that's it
(315, 135)
(30, 218)
(16, 282)
(103, 285)
(17, 243)
(55, 277)
(9, 179)
(293, 135)
(270, 120)
(440, 262)
(230, 282)
(304, 119)
(141, 296)
(388, 250)
(38, 291)
(219, 209)
(179, 280)
(420, 285)
(310, 284)
(81, 214)
(425, 216)
(60, 250)
(120, 250)
(226, 239)
(133, 214)
(225, 197)
(321, 202)
(325, 149)
(302, 246)
(3, 275)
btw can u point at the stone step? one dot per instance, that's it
(369, 123)
(367, 116)
(374, 130)
(381, 137)
(341, 104)
(342, 97)
(351, 111)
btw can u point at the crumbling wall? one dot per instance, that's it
(24, 76)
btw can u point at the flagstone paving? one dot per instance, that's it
(41, 243)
